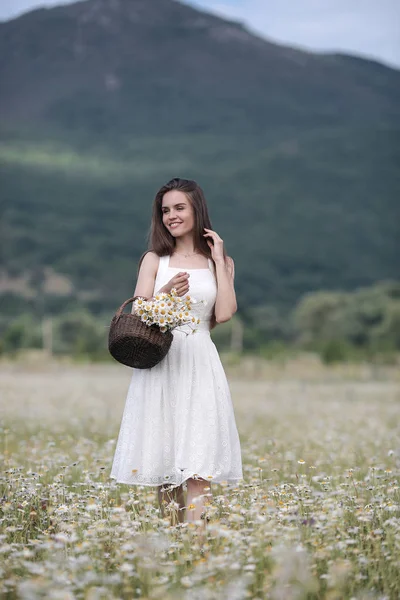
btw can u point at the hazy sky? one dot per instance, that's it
(365, 27)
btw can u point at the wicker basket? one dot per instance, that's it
(134, 343)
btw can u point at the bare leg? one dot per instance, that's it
(195, 500)
(180, 499)
(167, 495)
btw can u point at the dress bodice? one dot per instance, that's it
(202, 286)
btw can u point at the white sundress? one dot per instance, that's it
(178, 420)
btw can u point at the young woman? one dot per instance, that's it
(178, 424)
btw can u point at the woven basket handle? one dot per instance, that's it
(121, 308)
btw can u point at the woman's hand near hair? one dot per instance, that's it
(216, 245)
(225, 304)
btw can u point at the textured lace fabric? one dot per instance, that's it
(178, 420)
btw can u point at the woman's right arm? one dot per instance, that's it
(147, 276)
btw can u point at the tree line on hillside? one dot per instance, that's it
(291, 210)
(339, 325)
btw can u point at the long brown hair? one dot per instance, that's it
(161, 241)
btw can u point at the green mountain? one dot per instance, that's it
(103, 101)
(162, 67)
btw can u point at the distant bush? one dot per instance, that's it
(335, 350)
(363, 318)
(358, 326)
(22, 332)
(80, 334)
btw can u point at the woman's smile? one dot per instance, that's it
(177, 213)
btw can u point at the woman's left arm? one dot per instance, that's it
(225, 304)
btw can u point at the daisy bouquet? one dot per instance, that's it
(167, 310)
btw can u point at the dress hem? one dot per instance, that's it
(174, 484)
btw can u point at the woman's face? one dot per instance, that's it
(177, 213)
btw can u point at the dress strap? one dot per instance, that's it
(163, 266)
(211, 265)
(162, 269)
(164, 260)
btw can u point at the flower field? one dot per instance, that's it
(317, 515)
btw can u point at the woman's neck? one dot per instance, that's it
(185, 246)
(185, 252)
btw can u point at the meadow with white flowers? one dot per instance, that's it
(317, 515)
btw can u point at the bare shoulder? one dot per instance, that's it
(150, 261)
